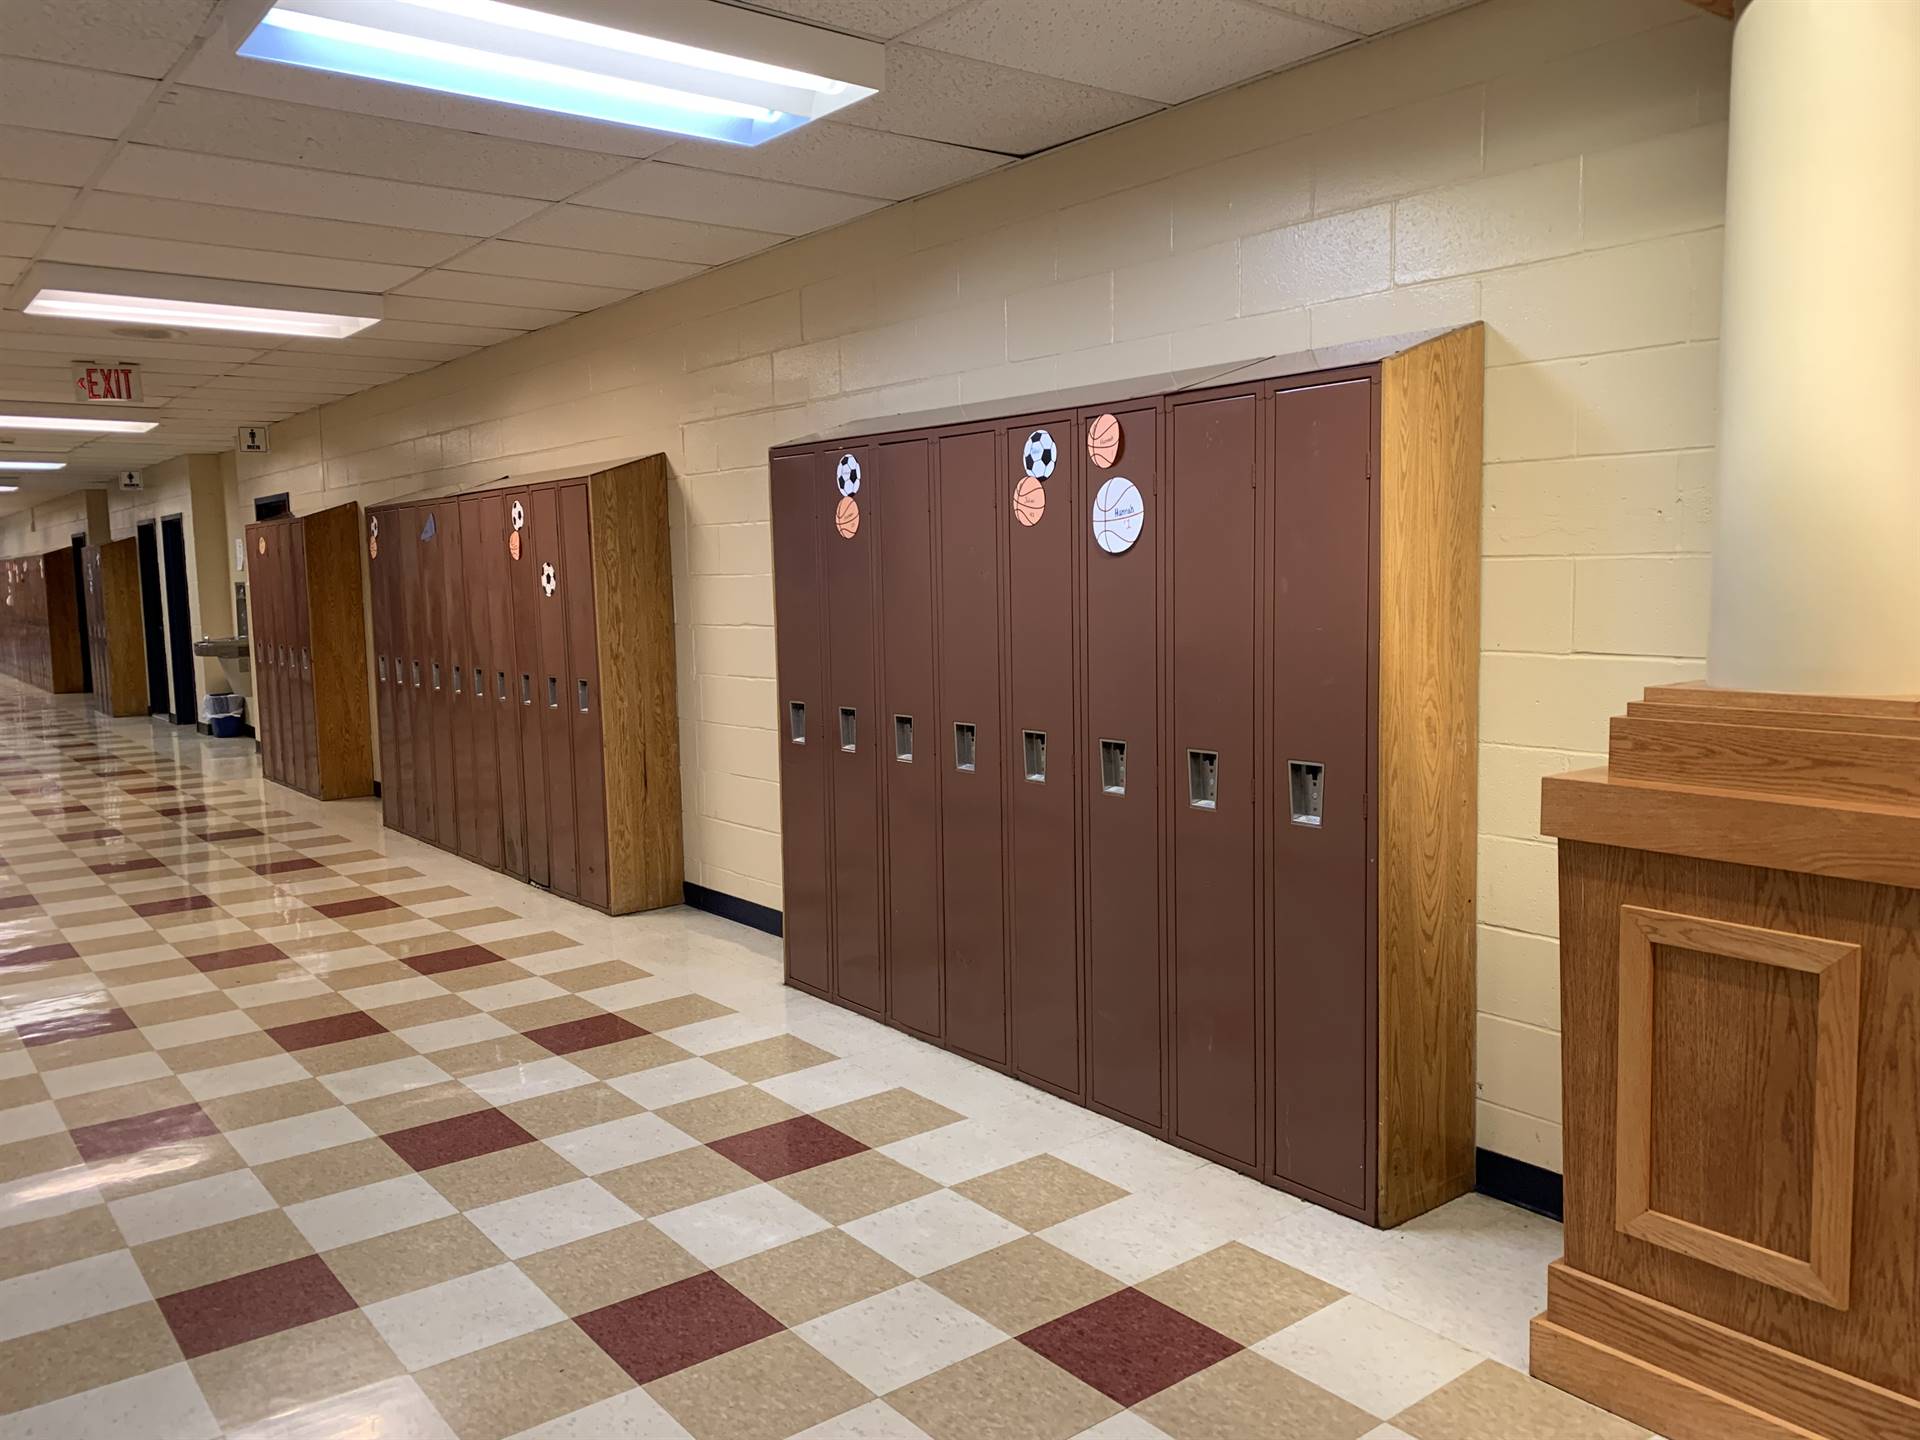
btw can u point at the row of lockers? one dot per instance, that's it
(1100, 803)
(40, 622)
(515, 630)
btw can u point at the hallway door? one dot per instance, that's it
(150, 612)
(80, 612)
(173, 551)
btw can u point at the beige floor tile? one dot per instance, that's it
(522, 1382)
(327, 1172)
(594, 975)
(727, 1112)
(182, 1007)
(813, 1276)
(541, 942)
(421, 1012)
(48, 1364)
(164, 1165)
(1043, 1191)
(573, 1109)
(29, 1089)
(768, 1390)
(374, 972)
(219, 1252)
(277, 1102)
(480, 977)
(613, 1265)
(628, 1057)
(419, 1106)
(88, 1049)
(1246, 1394)
(412, 1259)
(228, 1050)
(354, 1054)
(484, 1056)
(662, 1015)
(1492, 1402)
(1240, 1292)
(295, 1012)
(503, 1175)
(1023, 1284)
(38, 1156)
(556, 1011)
(473, 919)
(776, 1055)
(295, 1368)
(58, 1239)
(857, 1185)
(891, 1115)
(669, 1182)
(1006, 1393)
(122, 1101)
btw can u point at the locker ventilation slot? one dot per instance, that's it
(1036, 755)
(553, 692)
(903, 739)
(1113, 767)
(963, 746)
(526, 688)
(383, 669)
(1203, 779)
(436, 674)
(456, 680)
(583, 696)
(849, 728)
(416, 674)
(500, 682)
(797, 721)
(1307, 782)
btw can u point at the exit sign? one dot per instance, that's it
(106, 384)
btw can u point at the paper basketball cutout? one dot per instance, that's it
(1103, 441)
(1039, 455)
(1118, 514)
(373, 547)
(263, 544)
(1029, 500)
(846, 476)
(846, 516)
(549, 581)
(513, 544)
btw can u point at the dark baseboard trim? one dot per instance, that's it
(731, 907)
(376, 784)
(1518, 1183)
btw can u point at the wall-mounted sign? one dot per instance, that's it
(106, 384)
(253, 440)
(130, 480)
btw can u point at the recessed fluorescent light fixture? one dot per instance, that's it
(190, 302)
(8, 489)
(10, 466)
(79, 424)
(688, 67)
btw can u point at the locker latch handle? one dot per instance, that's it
(965, 746)
(553, 692)
(582, 696)
(436, 674)
(1113, 767)
(383, 669)
(500, 683)
(416, 674)
(903, 739)
(1034, 745)
(1306, 784)
(1203, 779)
(797, 721)
(849, 728)
(479, 673)
(526, 688)
(456, 680)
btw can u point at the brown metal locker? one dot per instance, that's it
(1043, 771)
(380, 586)
(458, 697)
(1120, 748)
(581, 698)
(1215, 969)
(440, 546)
(273, 564)
(968, 744)
(552, 582)
(905, 733)
(530, 682)
(404, 541)
(505, 575)
(1322, 663)
(479, 545)
(801, 515)
(853, 732)
(260, 591)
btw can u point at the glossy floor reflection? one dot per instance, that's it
(307, 1130)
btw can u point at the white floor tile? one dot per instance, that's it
(524, 1082)
(190, 1205)
(74, 1291)
(200, 1028)
(162, 1402)
(933, 1232)
(298, 1135)
(460, 1316)
(514, 992)
(634, 1415)
(446, 1034)
(899, 1336)
(528, 1224)
(1367, 1356)
(27, 1122)
(372, 1081)
(666, 1085)
(105, 1074)
(875, 1420)
(600, 1148)
(223, 1080)
(396, 1409)
(732, 1227)
(379, 1209)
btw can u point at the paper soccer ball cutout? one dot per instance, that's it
(1040, 455)
(846, 476)
(519, 515)
(373, 524)
(549, 581)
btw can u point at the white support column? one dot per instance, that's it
(1817, 549)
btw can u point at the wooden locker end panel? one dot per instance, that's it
(799, 514)
(123, 635)
(580, 692)
(1430, 458)
(639, 685)
(337, 635)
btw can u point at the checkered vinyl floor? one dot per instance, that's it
(309, 1131)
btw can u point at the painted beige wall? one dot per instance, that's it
(1554, 167)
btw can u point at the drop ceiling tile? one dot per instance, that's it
(963, 101)
(613, 232)
(844, 158)
(30, 335)
(262, 230)
(225, 262)
(50, 158)
(406, 337)
(447, 314)
(132, 37)
(70, 100)
(1365, 17)
(344, 363)
(875, 19)
(248, 128)
(256, 185)
(22, 239)
(509, 290)
(584, 267)
(679, 193)
(34, 204)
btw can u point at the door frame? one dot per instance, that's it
(152, 615)
(179, 619)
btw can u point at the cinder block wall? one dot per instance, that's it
(1554, 167)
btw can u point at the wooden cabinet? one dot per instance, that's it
(309, 653)
(1172, 816)
(116, 628)
(40, 621)
(527, 694)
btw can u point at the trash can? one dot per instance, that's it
(223, 715)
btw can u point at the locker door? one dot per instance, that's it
(306, 754)
(480, 795)
(1042, 776)
(968, 743)
(556, 731)
(906, 733)
(380, 589)
(581, 699)
(1215, 971)
(528, 698)
(847, 563)
(260, 598)
(435, 547)
(1120, 748)
(406, 700)
(1321, 638)
(458, 696)
(504, 574)
(800, 517)
(273, 566)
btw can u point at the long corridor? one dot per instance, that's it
(309, 1131)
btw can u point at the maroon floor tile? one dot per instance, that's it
(37, 955)
(178, 905)
(585, 1034)
(1129, 1346)
(74, 1024)
(442, 1142)
(121, 867)
(461, 957)
(242, 832)
(327, 1030)
(236, 956)
(112, 1138)
(361, 905)
(678, 1325)
(99, 832)
(16, 902)
(283, 867)
(262, 1302)
(787, 1146)
(194, 808)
